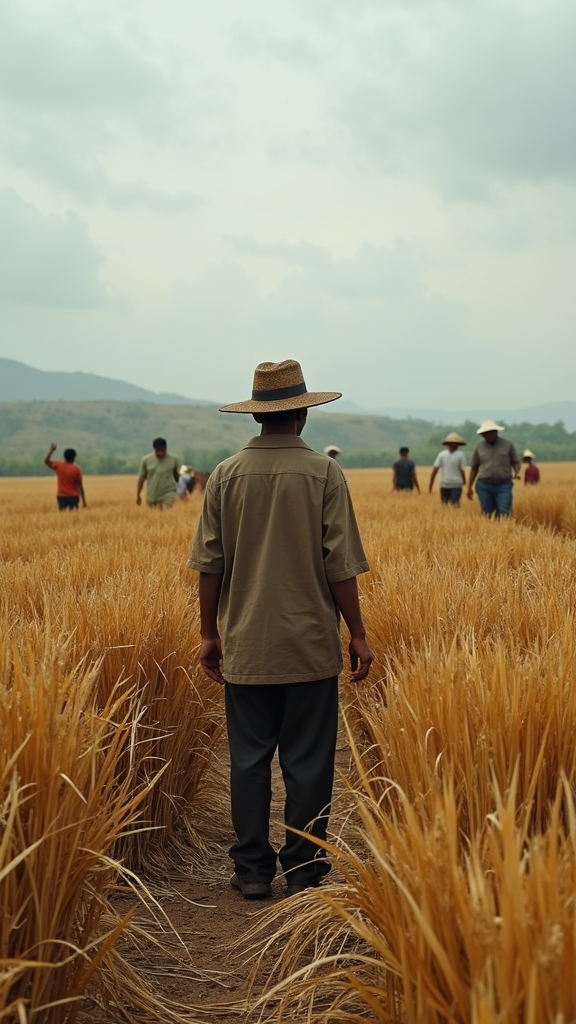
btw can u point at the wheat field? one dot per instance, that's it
(454, 895)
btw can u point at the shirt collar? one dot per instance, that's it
(277, 441)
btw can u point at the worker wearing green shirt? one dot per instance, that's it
(159, 471)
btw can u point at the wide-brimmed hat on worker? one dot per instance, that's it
(183, 470)
(527, 454)
(331, 448)
(454, 438)
(278, 387)
(487, 426)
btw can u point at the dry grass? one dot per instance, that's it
(459, 858)
(422, 932)
(107, 764)
(112, 580)
(459, 873)
(70, 797)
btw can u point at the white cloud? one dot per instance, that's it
(47, 260)
(264, 43)
(48, 60)
(352, 319)
(103, 111)
(469, 95)
(248, 176)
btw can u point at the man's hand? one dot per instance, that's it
(53, 446)
(361, 658)
(138, 500)
(210, 658)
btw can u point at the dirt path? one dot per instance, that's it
(213, 921)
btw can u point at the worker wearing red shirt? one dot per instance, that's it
(531, 473)
(69, 486)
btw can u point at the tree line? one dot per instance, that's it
(549, 442)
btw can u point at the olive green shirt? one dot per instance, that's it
(495, 462)
(278, 524)
(159, 476)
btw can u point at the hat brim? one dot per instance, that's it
(488, 426)
(455, 442)
(304, 401)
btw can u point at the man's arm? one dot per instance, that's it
(81, 492)
(345, 595)
(473, 475)
(433, 476)
(394, 479)
(415, 481)
(49, 454)
(515, 462)
(139, 487)
(209, 587)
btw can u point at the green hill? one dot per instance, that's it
(110, 437)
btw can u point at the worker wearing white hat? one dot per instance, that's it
(332, 450)
(494, 463)
(451, 464)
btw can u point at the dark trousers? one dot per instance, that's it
(450, 495)
(64, 502)
(301, 721)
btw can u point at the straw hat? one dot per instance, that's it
(454, 438)
(527, 454)
(488, 425)
(331, 448)
(182, 470)
(278, 387)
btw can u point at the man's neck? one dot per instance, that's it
(287, 428)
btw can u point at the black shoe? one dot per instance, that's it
(251, 890)
(293, 890)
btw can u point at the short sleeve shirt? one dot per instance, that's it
(494, 462)
(68, 478)
(450, 463)
(159, 476)
(277, 522)
(531, 474)
(404, 469)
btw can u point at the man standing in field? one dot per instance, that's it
(278, 551)
(451, 463)
(531, 473)
(494, 462)
(160, 472)
(69, 485)
(185, 484)
(404, 473)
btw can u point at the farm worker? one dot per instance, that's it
(160, 471)
(185, 484)
(332, 450)
(278, 551)
(451, 463)
(494, 462)
(69, 486)
(531, 473)
(404, 473)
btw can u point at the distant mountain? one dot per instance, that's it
(21, 383)
(549, 412)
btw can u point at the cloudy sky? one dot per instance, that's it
(383, 189)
